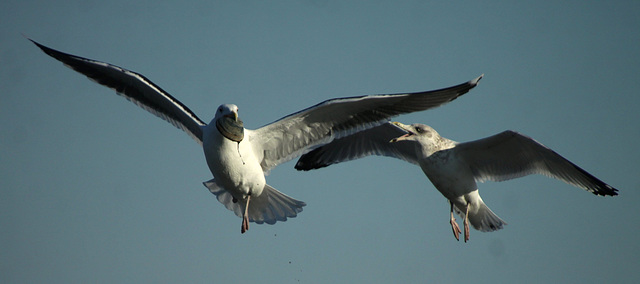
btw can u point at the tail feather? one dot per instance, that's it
(277, 205)
(269, 207)
(224, 197)
(482, 218)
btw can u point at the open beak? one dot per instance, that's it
(404, 128)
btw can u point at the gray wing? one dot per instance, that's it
(373, 141)
(300, 132)
(510, 155)
(135, 88)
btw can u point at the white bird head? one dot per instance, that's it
(228, 123)
(227, 110)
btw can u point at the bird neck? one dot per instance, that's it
(433, 146)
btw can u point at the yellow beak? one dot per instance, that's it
(403, 127)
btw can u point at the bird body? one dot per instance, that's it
(454, 179)
(451, 175)
(240, 173)
(233, 164)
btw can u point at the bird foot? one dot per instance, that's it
(245, 224)
(455, 228)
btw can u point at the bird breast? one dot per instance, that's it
(450, 176)
(233, 165)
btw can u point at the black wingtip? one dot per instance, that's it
(304, 166)
(45, 49)
(308, 162)
(52, 52)
(36, 43)
(599, 187)
(606, 191)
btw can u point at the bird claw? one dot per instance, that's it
(455, 228)
(245, 224)
(245, 217)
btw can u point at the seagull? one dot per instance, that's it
(455, 168)
(239, 158)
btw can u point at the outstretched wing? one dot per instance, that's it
(300, 132)
(135, 88)
(510, 155)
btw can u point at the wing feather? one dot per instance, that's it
(302, 131)
(509, 155)
(135, 88)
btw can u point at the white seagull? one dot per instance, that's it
(454, 168)
(240, 158)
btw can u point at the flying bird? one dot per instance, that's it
(455, 168)
(239, 158)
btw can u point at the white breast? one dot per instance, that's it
(234, 166)
(449, 175)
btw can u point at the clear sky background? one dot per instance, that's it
(95, 190)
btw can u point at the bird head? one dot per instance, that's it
(228, 123)
(227, 110)
(415, 132)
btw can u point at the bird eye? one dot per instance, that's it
(419, 129)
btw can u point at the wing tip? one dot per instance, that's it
(308, 166)
(607, 190)
(36, 43)
(475, 81)
(42, 47)
(49, 51)
(309, 161)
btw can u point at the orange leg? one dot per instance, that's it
(454, 225)
(466, 224)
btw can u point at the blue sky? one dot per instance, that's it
(94, 189)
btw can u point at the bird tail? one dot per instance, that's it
(269, 207)
(273, 205)
(482, 218)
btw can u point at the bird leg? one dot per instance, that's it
(245, 217)
(466, 224)
(454, 225)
